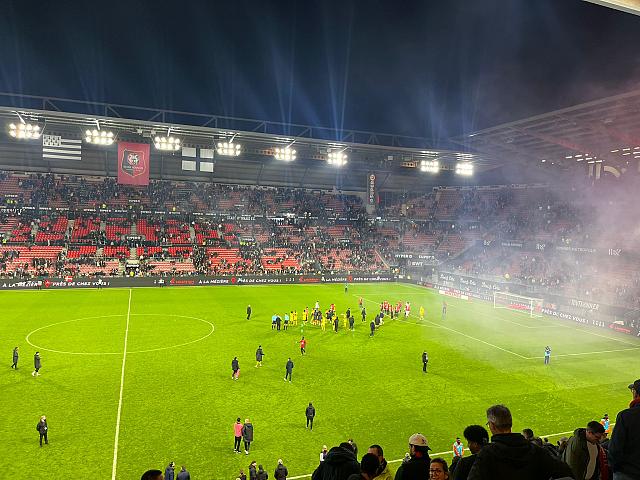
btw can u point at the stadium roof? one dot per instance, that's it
(603, 131)
(629, 6)
(395, 158)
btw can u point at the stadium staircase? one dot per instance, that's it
(133, 253)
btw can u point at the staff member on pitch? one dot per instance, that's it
(43, 429)
(248, 312)
(425, 360)
(37, 365)
(310, 412)
(15, 358)
(289, 370)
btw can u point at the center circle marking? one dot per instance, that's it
(44, 349)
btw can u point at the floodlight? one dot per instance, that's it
(24, 131)
(99, 137)
(431, 166)
(464, 168)
(337, 159)
(286, 154)
(229, 149)
(167, 143)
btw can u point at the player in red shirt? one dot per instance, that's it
(303, 345)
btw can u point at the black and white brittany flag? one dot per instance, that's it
(55, 147)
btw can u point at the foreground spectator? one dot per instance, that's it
(418, 465)
(438, 469)
(510, 456)
(261, 474)
(583, 452)
(152, 475)
(384, 472)
(477, 437)
(624, 446)
(368, 468)
(339, 463)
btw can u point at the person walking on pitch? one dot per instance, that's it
(248, 312)
(425, 360)
(235, 368)
(259, 355)
(37, 365)
(43, 429)
(15, 358)
(237, 434)
(288, 370)
(303, 346)
(310, 413)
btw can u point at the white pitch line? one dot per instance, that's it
(446, 452)
(124, 361)
(590, 353)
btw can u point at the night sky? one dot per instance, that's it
(426, 68)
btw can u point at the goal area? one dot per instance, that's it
(518, 303)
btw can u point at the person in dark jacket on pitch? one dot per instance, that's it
(183, 474)
(281, 471)
(339, 464)
(253, 473)
(15, 358)
(242, 475)
(477, 437)
(247, 435)
(583, 452)
(170, 471)
(43, 429)
(248, 312)
(261, 474)
(372, 326)
(152, 475)
(510, 456)
(418, 465)
(259, 356)
(37, 365)
(235, 368)
(354, 445)
(288, 370)
(624, 446)
(310, 413)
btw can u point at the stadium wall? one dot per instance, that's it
(566, 308)
(185, 281)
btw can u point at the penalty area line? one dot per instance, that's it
(124, 361)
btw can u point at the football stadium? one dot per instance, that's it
(209, 296)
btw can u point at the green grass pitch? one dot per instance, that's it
(179, 402)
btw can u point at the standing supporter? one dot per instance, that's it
(606, 423)
(425, 361)
(310, 413)
(372, 326)
(583, 452)
(253, 473)
(368, 468)
(384, 472)
(624, 446)
(476, 437)
(43, 429)
(235, 368)
(510, 456)
(418, 465)
(15, 358)
(303, 346)
(259, 356)
(261, 474)
(323, 453)
(547, 355)
(37, 365)
(438, 469)
(248, 312)
(339, 464)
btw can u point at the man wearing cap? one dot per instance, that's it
(583, 452)
(510, 456)
(418, 466)
(624, 446)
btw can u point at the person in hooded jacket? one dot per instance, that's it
(339, 463)
(281, 471)
(261, 474)
(510, 456)
(253, 472)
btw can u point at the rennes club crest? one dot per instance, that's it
(133, 162)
